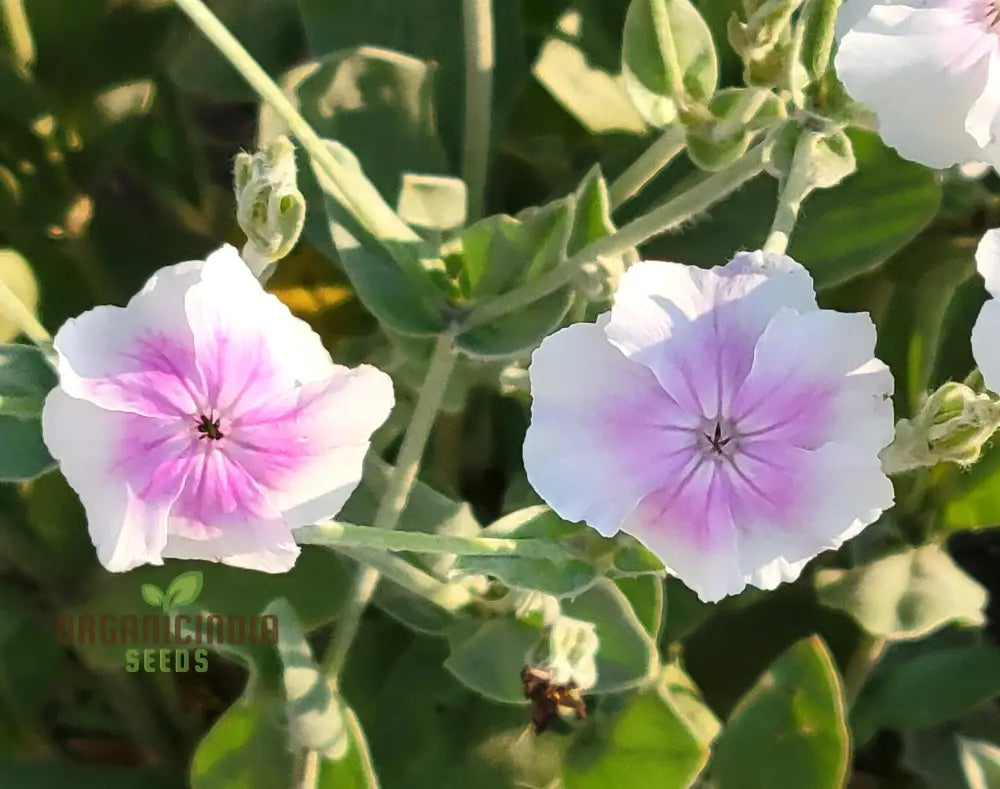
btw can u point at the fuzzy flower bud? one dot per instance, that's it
(573, 646)
(952, 426)
(269, 207)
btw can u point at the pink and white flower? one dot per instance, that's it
(204, 421)
(719, 416)
(987, 328)
(930, 70)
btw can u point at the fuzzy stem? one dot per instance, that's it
(338, 535)
(708, 191)
(656, 157)
(750, 102)
(396, 495)
(381, 223)
(449, 597)
(797, 185)
(477, 16)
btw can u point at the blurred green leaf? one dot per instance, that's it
(315, 587)
(244, 748)
(354, 770)
(905, 595)
(436, 202)
(269, 29)
(842, 232)
(646, 78)
(927, 689)
(595, 96)
(488, 657)
(184, 589)
(152, 595)
(646, 745)
(26, 378)
(789, 729)
(17, 275)
(416, 28)
(645, 595)
(627, 656)
(44, 775)
(565, 578)
(981, 762)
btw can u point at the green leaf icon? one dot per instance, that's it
(184, 589)
(153, 595)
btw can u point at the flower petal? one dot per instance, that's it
(696, 329)
(923, 71)
(988, 260)
(126, 530)
(603, 433)
(985, 349)
(307, 447)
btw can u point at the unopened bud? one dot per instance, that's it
(573, 646)
(269, 207)
(951, 426)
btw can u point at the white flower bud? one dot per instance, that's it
(573, 646)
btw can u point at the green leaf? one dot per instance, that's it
(646, 745)
(646, 79)
(593, 95)
(17, 275)
(435, 202)
(981, 763)
(927, 689)
(25, 377)
(488, 658)
(645, 595)
(153, 595)
(627, 656)
(634, 558)
(245, 748)
(184, 589)
(713, 154)
(416, 29)
(788, 730)
(905, 595)
(841, 233)
(560, 578)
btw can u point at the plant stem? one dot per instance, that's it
(657, 156)
(15, 23)
(867, 654)
(335, 534)
(15, 310)
(750, 102)
(477, 16)
(449, 597)
(380, 223)
(797, 186)
(397, 493)
(706, 192)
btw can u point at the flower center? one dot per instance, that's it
(209, 428)
(717, 440)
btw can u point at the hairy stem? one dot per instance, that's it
(654, 159)
(477, 16)
(449, 597)
(709, 190)
(380, 223)
(797, 186)
(335, 534)
(396, 495)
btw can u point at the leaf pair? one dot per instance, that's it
(183, 590)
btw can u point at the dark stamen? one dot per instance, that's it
(209, 428)
(716, 440)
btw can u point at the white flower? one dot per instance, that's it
(930, 70)
(718, 416)
(985, 334)
(204, 421)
